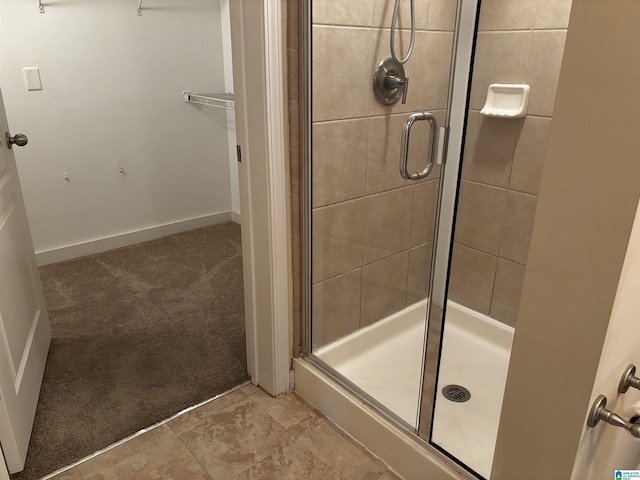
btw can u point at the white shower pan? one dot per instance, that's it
(385, 360)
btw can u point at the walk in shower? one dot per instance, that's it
(420, 194)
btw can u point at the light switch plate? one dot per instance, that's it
(32, 78)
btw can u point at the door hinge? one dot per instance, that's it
(239, 153)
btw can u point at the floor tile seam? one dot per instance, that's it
(359, 445)
(260, 460)
(129, 457)
(254, 392)
(120, 459)
(314, 454)
(193, 455)
(77, 464)
(385, 472)
(353, 442)
(257, 460)
(275, 420)
(207, 415)
(79, 472)
(264, 410)
(170, 431)
(311, 409)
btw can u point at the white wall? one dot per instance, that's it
(605, 448)
(112, 99)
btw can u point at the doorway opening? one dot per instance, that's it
(132, 185)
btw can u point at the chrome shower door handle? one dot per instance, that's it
(404, 153)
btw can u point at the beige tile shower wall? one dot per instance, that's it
(518, 42)
(372, 230)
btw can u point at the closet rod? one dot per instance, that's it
(41, 7)
(217, 100)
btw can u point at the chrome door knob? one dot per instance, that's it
(599, 412)
(19, 139)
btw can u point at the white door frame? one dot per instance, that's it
(259, 78)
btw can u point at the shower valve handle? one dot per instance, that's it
(392, 81)
(388, 78)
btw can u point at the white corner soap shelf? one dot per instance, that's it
(218, 100)
(506, 100)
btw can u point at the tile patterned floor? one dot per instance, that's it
(244, 435)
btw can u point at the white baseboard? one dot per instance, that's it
(235, 217)
(81, 249)
(403, 455)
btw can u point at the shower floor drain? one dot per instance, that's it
(456, 393)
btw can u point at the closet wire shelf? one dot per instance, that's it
(41, 7)
(217, 100)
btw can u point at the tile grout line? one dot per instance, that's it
(248, 397)
(518, 132)
(476, 249)
(313, 453)
(138, 434)
(385, 190)
(119, 462)
(271, 416)
(293, 438)
(256, 462)
(211, 413)
(393, 113)
(280, 448)
(351, 440)
(191, 453)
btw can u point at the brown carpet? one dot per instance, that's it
(139, 333)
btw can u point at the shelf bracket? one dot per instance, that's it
(40, 6)
(139, 8)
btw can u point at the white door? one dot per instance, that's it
(25, 332)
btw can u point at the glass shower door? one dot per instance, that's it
(372, 231)
(487, 211)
